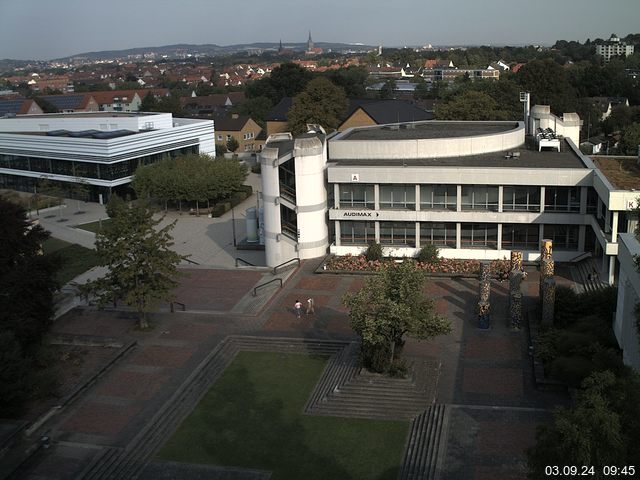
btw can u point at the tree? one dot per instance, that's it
(630, 141)
(549, 85)
(142, 269)
(149, 103)
(389, 306)
(321, 102)
(471, 105)
(257, 108)
(388, 89)
(232, 144)
(27, 286)
(599, 429)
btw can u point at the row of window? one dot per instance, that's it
(472, 235)
(473, 197)
(101, 171)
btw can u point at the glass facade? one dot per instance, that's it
(287, 175)
(438, 197)
(479, 235)
(398, 197)
(521, 199)
(562, 199)
(289, 222)
(438, 234)
(357, 233)
(480, 197)
(95, 170)
(357, 196)
(565, 237)
(520, 236)
(398, 233)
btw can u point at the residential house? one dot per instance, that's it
(19, 106)
(243, 129)
(212, 105)
(363, 112)
(81, 102)
(607, 104)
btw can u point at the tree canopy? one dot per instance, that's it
(389, 306)
(142, 268)
(27, 285)
(471, 105)
(599, 429)
(321, 102)
(196, 178)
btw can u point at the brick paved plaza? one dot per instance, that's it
(484, 375)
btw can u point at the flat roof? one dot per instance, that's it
(529, 158)
(622, 172)
(86, 114)
(428, 130)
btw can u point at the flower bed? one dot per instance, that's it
(359, 263)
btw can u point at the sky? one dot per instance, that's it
(47, 29)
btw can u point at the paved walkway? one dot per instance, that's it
(485, 376)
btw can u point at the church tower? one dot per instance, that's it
(310, 43)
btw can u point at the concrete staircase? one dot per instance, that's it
(586, 274)
(347, 391)
(424, 453)
(128, 462)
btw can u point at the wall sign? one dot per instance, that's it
(355, 177)
(365, 214)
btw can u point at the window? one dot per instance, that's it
(356, 196)
(564, 237)
(480, 197)
(228, 137)
(592, 201)
(520, 236)
(289, 222)
(521, 199)
(562, 199)
(220, 137)
(398, 233)
(479, 235)
(438, 234)
(398, 197)
(357, 233)
(438, 197)
(287, 174)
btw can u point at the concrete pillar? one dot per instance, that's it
(458, 199)
(500, 200)
(417, 234)
(336, 195)
(584, 191)
(417, 199)
(542, 193)
(612, 269)
(582, 234)
(376, 196)
(458, 235)
(377, 232)
(337, 233)
(614, 227)
(499, 246)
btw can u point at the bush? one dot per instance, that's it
(218, 210)
(429, 254)
(248, 189)
(375, 357)
(374, 252)
(237, 198)
(398, 368)
(256, 168)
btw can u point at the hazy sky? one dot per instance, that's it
(45, 29)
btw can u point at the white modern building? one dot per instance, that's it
(613, 48)
(474, 189)
(624, 325)
(102, 150)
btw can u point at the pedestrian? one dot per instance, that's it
(298, 308)
(310, 306)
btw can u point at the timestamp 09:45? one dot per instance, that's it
(588, 471)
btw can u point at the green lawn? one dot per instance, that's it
(74, 259)
(252, 418)
(94, 226)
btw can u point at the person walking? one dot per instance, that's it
(297, 307)
(310, 306)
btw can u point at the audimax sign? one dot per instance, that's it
(360, 214)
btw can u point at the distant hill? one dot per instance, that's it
(184, 49)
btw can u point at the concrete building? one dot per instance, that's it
(624, 325)
(474, 189)
(100, 150)
(613, 48)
